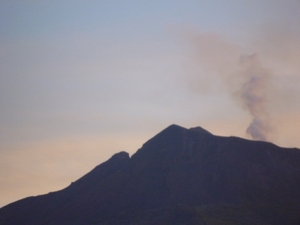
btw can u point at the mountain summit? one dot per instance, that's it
(180, 176)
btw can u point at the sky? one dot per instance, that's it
(83, 80)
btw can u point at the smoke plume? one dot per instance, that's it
(253, 95)
(216, 61)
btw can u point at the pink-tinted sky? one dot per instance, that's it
(80, 81)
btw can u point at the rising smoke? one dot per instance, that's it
(247, 79)
(266, 85)
(254, 97)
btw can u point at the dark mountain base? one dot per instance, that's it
(187, 215)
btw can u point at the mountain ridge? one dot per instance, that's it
(179, 171)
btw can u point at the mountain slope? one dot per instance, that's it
(180, 176)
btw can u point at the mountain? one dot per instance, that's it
(180, 176)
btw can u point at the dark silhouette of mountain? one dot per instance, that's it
(180, 176)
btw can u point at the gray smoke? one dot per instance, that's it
(256, 80)
(216, 62)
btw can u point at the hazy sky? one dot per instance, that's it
(82, 80)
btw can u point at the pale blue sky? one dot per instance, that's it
(81, 80)
(131, 18)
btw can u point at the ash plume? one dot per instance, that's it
(252, 94)
(217, 63)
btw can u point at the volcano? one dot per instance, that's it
(180, 176)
